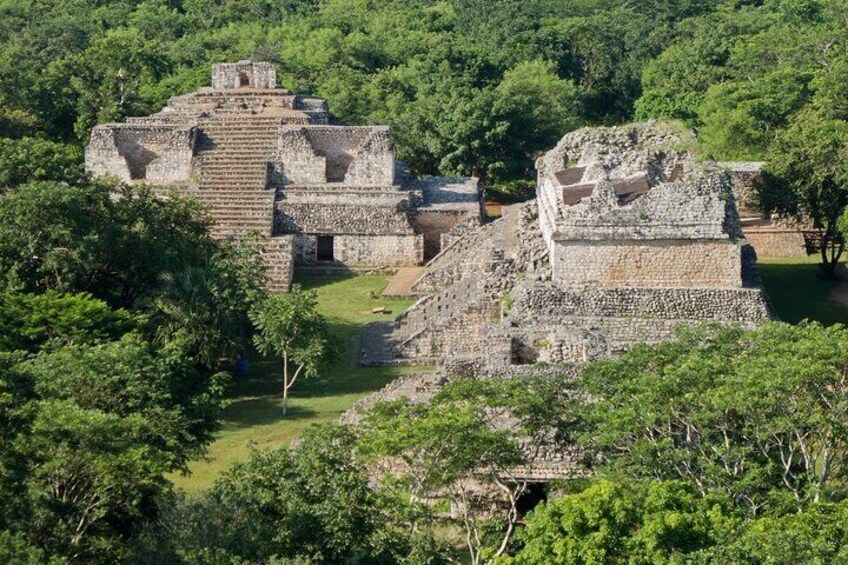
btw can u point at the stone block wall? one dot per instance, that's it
(354, 156)
(657, 263)
(143, 153)
(545, 304)
(362, 250)
(324, 215)
(244, 73)
(435, 226)
(278, 255)
(297, 161)
(777, 242)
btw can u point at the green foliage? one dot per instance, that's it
(90, 432)
(310, 504)
(99, 402)
(31, 321)
(30, 159)
(669, 522)
(757, 416)
(807, 177)
(76, 238)
(635, 523)
(203, 310)
(743, 73)
(290, 326)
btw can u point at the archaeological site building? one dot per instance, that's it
(629, 238)
(266, 159)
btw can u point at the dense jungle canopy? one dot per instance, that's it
(474, 87)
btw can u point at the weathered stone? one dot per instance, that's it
(265, 159)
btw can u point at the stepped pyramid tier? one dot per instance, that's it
(262, 158)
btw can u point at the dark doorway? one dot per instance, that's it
(325, 248)
(535, 493)
(337, 167)
(243, 79)
(432, 244)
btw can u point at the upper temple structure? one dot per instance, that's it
(628, 237)
(263, 158)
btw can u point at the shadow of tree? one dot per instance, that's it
(798, 291)
(248, 412)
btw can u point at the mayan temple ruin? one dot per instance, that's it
(629, 237)
(263, 158)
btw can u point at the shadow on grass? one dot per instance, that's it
(798, 291)
(248, 412)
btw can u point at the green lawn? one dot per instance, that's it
(797, 291)
(254, 417)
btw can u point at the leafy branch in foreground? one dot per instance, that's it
(465, 445)
(761, 416)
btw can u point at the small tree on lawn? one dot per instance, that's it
(289, 325)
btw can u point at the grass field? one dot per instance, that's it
(254, 418)
(797, 291)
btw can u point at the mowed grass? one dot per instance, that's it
(254, 418)
(798, 291)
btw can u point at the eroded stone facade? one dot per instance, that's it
(628, 239)
(266, 159)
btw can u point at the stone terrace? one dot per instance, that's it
(264, 159)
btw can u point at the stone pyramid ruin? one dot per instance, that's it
(262, 158)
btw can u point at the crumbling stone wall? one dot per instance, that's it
(153, 154)
(244, 74)
(355, 156)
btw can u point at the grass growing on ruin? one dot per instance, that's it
(254, 418)
(798, 292)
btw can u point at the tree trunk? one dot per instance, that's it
(831, 250)
(285, 384)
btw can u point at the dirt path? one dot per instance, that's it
(401, 283)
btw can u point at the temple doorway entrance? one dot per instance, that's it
(325, 248)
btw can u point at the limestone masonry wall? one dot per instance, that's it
(339, 218)
(154, 154)
(777, 242)
(543, 302)
(657, 263)
(360, 250)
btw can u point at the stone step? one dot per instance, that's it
(216, 159)
(232, 185)
(235, 153)
(245, 137)
(229, 173)
(236, 146)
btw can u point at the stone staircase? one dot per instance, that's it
(233, 152)
(232, 155)
(453, 315)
